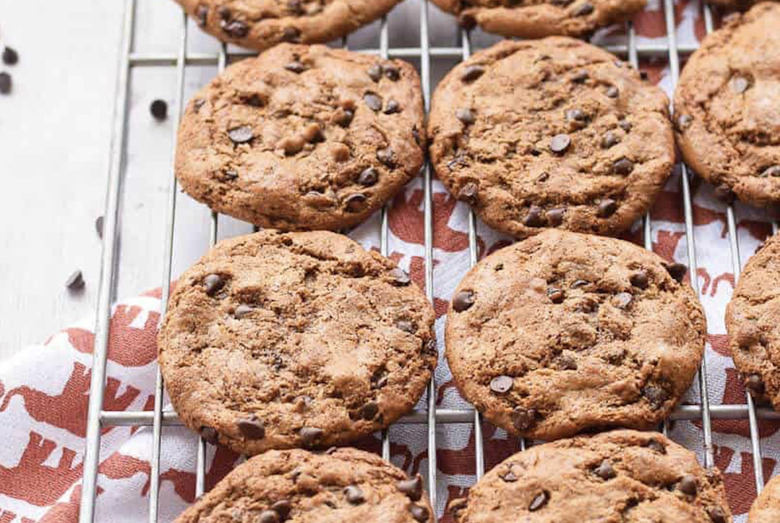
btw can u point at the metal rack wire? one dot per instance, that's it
(431, 415)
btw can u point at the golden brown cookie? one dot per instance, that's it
(619, 476)
(565, 332)
(540, 18)
(296, 486)
(279, 340)
(303, 137)
(551, 133)
(766, 508)
(726, 104)
(261, 24)
(753, 323)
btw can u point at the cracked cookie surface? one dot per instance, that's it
(551, 133)
(726, 107)
(280, 340)
(303, 137)
(261, 24)
(565, 332)
(766, 508)
(540, 18)
(753, 323)
(298, 486)
(622, 476)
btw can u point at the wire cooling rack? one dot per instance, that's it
(98, 418)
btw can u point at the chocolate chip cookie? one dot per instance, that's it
(551, 133)
(303, 137)
(279, 340)
(540, 18)
(261, 24)
(622, 475)
(565, 332)
(728, 125)
(753, 323)
(766, 508)
(298, 486)
(740, 5)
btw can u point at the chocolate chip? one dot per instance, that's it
(656, 446)
(355, 202)
(463, 301)
(655, 395)
(584, 9)
(465, 115)
(230, 175)
(501, 384)
(224, 13)
(639, 279)
(625, 125)
(555, 217)
(75, 281)
(343, 117)
(10, 56)
(159, 109)
(773, 171)
(576, 114)
(623, 300)
(400, 277)
(291, 34)
(386, 156)
(6, 84)
(419, 513)
(213, 283)
(375, 72)
(251, 428)
(755, 384)
(687, 485)
(523, 418)
(373, 101)
(579, 283)
(412, 487)
(555, 295)
(609, 140)
(612, 92)
(392, 107)
(676, 270)
(242, 134)
(99, 227)
(567, 362)
(406, 326)
(580, 76)
(539, 501)
(283, 508)
(310, 435)
(456, 506)
(209, 435)
(468, 193)
(684, 121)
(203, 15)
(295, 67)
(509, 476)
(559, 143)
(644, 76)
(235, 28)
(368, 177)
(716, 514)
(605, 470)
(471, 73)
(268, 516)
(606, 208)
(739, 84)
(534, 218)
(354, 495)
(623, 166)
(242, 310)
(392, 73)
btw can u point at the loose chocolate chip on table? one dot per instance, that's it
(386, 156)
(639, 279)
(623, 166)
(209, 435)
(609, 140)
(724, 193)
(99, 226)
(739, 84)
(676, 270)
(75, 281)
(613, 92)
(392, 107)
(534, 217)
(684, 121)
(6, 84)
(716, 514)
(687, 485)
(392, 73)
(241, 134)
(559, 143)
(159, 109)
(605, 470)
(251, 427)
(523, 418)
(465, 115)
(242, 310)
(212, 283)
(10, 56)
(373, 101)
(555, 295)
(295, 67)
(354, 495)
(412, 487)
(355, 202)
(268, 516)
(375, 72)
(472, 72)
(755, 384)
(501, 384)
(368, 177)
(310, 435)
(400, 277)
(463, 301)
(606, 208)
(419, 513)
(539, 501)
